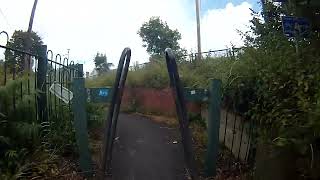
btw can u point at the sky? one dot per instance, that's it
(108, 26)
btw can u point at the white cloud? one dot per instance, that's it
(219, 26)
(88, 26)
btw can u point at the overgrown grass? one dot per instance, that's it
(155, 74)
(97, 114)
(29, 147)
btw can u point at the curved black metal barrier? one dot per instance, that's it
(182, 113)
(112, 118)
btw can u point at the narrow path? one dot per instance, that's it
(146, 150)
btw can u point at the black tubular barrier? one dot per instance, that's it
(113, 113)
(182, 113)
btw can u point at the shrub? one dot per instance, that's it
(28, 146)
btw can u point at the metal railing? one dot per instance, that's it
(35, 73)
(227, 53)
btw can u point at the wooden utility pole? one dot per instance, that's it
(27, 59)
(198, 28)
(32, 15)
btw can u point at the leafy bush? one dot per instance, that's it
(96, 114)
(28, 147)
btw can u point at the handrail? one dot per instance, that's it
(112, 118)
(182, 113)
(37, 56)
(5, 33)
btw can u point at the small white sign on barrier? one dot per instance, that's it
(61, 92)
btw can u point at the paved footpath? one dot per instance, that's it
(146, 150)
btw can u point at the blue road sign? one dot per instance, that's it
(103, 92)
(295, 26)
(99, 95)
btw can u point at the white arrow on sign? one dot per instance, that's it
(61, 92)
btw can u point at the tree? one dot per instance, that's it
(19, 41)
(101, 63)
(157, 36)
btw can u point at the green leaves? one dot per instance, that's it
(101, 63)
(18, 41)
(157, 36)
(22, 135)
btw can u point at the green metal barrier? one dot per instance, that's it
(80, 124)
(213, 98)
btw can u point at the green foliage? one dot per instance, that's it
(277, 87)
(28, 147)
(283, 87)
(157, 36)
(155, 74)
(19, 41)
(101, 63)
(96, 114)
(101, 81)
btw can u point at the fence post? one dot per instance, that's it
(80, 123)
(213, 126)
(41, 84)
(79, 68)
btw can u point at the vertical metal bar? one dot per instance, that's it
(5, 72)
(5, 64)
(50, 82)
(182, 113)
(213, 127)
(21, 90)
(28, 74)
(55, 81)
(60, 102)
(28, 84)
(61, 85)
(68, 83)
(113, 112)
(125, 58)
(14, 90)
(35, 87)
(41, 84)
